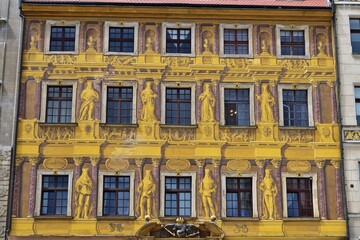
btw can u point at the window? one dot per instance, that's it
(292, 41)
(62, 37)
(299, 197)
(355, 34)
(54, 192)
(357, 104)
(236, 40)
(239, 197)
(116, 195)
(178, 106)
(295, 107)
(178, 196)
(178, 39)
(59, 104)
(119, 105)
(121, 38)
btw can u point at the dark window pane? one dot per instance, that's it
(236, 41)
(121, 39)
(62, 39)
(119, 105)
(178, 40)
(355, 34)
(295, 108)
(299, 197)
(58, 104)
(178, 196)
(292, 43)
(116, 196)
(239, 197)
(178, 106)
(237, 107)
(54, 195)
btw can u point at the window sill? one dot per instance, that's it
(294, 57)
(45, 124)
(238, 127)
(120, 53)
(47, 217)
(301, 219)
(164, 54)
(173, 219)
(296, 128)
(61, 52)
(116, 218)
(119, 125)
(237, 219)
(177, 126)
(223, 55)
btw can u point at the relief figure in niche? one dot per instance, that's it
(149, 42)
(269, 196)
(88, 98)
(207, 190)
(207, 105)
(91, 39)
(148, 97)
(265, 43)
(83, 188)
(267, 102)
(34, 38)
(146, 189)
(321, 44)
(207, 42)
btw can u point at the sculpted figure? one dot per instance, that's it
(91, 42)
(83, 189)
(267, 103)
(146, 189)
(206, 45)
(33, 41)
(148, 98)
(269, 196)
(149, 44)
(207, 189)
(207, 105)
(88, 97)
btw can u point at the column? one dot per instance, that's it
(261, 171)
(333, 102)
(138, 176)
(339, 194)
(316, 100)
(199, 176)
(80, 88)
(277, 175)
(22, 100)
(16, 187)
(257, 103)
(217, 179)
(274, 91)
(94, 177)
(78, 161)
(34, 161)
(37, 107)
(322, 188)
(156, 175)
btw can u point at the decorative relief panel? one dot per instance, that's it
(239, 166)
(236, 62)
(117, 133)
(177, 134)
(56, 132)
(294, 64)
(177, 61)
(61, 59)
(178, 165)
(351, 135)
(55, 164)
(296, 135)
(119, 60)
(116, 165)
(298, 166)
(237, 135)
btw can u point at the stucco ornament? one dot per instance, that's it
(207, 105)
(207, 191)
(267, 102)
(83, 188)
(88, 98)
(148, 97)
(146, 189)
(269, 196)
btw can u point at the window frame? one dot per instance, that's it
(351, 31)
(355, 102)
(52, 83)
(304, 28)
(314, 190)
(126, 173)
(167, 25)
(224, 175)
(251, 88)
(282, 87)
(38, 198)
(105, 86)
(165, 85)
(107, 26)
(193, 190)
(49, 24)
(249, 27)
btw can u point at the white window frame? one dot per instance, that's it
(179, 26)
(225, 175)
(132, 190)
(132, 84)
(134, 25)
(165, 85)
(50, 24)
(237, 86)
(304, 28)
(44, 86)
(282, 87)
(249, 27)
(40, 174)
(314, 190)
(193, 190)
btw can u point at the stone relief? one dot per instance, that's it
(243, 135)
(148, 97)
(115, 133)
(88, 98)
(177, 134)
(150, 41)
(177, 61)
(297, 136)
(61, 59)
(269, 189)
(321, 44)
(91, 43)
(56, 133)
(207, 39)
(207, 104)
(265, 43)
(267, 102)
(34, 38)
(119, 60)
(83, 188)
(235, 62)
(294, 64)
(146, 189)
(180, 230)
(207, 191)
(351, 135)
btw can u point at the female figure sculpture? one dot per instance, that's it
(146, 189)
(207, 105)
(88, 98)
(269, 196)
(207, 189)
(83, 189)
(267, 103)
(148, 98)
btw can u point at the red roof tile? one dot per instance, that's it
(255, 3)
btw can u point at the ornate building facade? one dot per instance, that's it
(348, 30)
(160, 120)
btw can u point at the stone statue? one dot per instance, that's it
(207, 190)
(267, 103)
(207, 105)
(91, 42)
(83, 188)
(33, 41)
(269, 196)
(149, 44)
(88, 97)
(146, 189)
(148, 98)
(206, 45)
(264, 48)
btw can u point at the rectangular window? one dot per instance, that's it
(299, 197)
(295, 108)
(121, 39)
(119, 105)
(236, 41)
(239, 197)
(178, 106)
(116, 198)
(178, 40)
(355, 34)
(54, 195)
(237, 107)
(357, 104)
(178, 196)
(292, 43)
(62, 38)
(59, 104)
